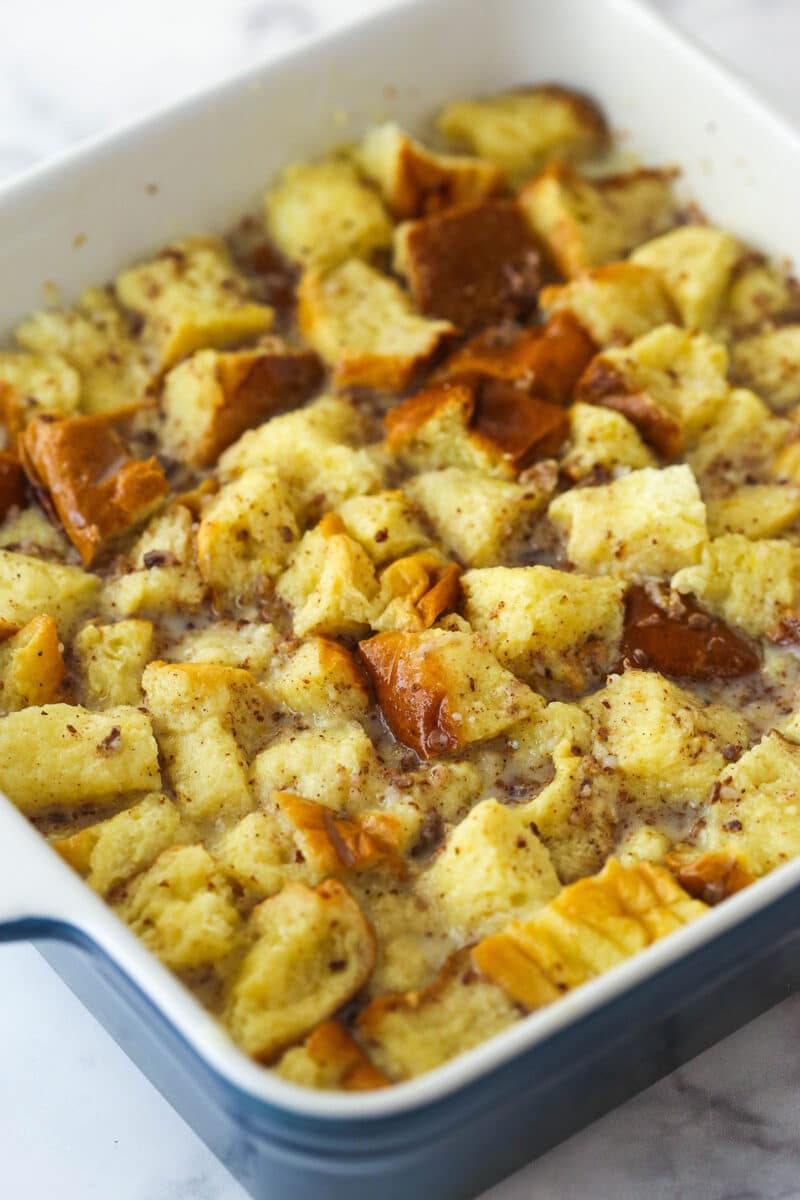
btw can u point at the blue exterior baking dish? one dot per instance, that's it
(454, 1132)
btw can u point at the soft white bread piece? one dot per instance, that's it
(312, 950)
(320, 214)
(192, 296)
(584, 223)
(364, 326)
(61, 756)
(520, 130)
(647, 523)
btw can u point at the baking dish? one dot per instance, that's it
(454, 1132)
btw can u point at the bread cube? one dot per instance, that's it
(743, 438)
(31, 665)
(602, 440)
(162, 575)
(114, 850)
(648, 523)
(212, 397)
(434, 428)
(330, 1059)
(751, 584)
(94, 339)
(441, 690)
(521, 129)
(182, 909)
(330, 583)
(320, 678)
(615, 303)
(34, 383)
(769, 363)
(482, 423)
(334, 764)
(110, 660)
(547, 625)
(329, 418)
(98, 491)
(585, 223)
(312, 950)
(313, 451)
(207, 719)
(181, 696)
(251, 645)
(493, 867)
(207, 771)
(759, 291)
(537, 742)
(590, 927)
(334, 845)
(246, 536)
(258, 854)
(477, 516)
(410, 934)
(408, 1033)
(414, 181)
(364, 326)
(415, 591)
(577, 812)
(665, 745)
(386, 525)
(473, 265)
(754, 813)
(192, 296)
(695, 263)
(671, 384)
(543, 360)
(61, 756)
(758, 510)
(320, 214)
(30, 586)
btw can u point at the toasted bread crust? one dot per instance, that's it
(671, 634)
(333, 1047)
(603, 384)
(712, 877)
(545, 360)
(12, 491)
(96, 489)
(338, 845)
(590, 926)
(245, 389)
(503, 423)
(473, 266)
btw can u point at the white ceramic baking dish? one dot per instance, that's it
(195, 168)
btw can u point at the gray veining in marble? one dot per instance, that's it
(76, 1118)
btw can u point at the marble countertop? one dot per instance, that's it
(77, 1119)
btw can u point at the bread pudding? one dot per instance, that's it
(400, 595)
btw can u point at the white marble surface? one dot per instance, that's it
(77, 1120)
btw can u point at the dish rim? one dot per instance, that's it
(72, 912)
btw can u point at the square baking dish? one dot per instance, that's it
(454, 1132)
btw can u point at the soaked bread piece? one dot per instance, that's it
(96, 489)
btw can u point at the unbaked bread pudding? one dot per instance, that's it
(400, 597)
